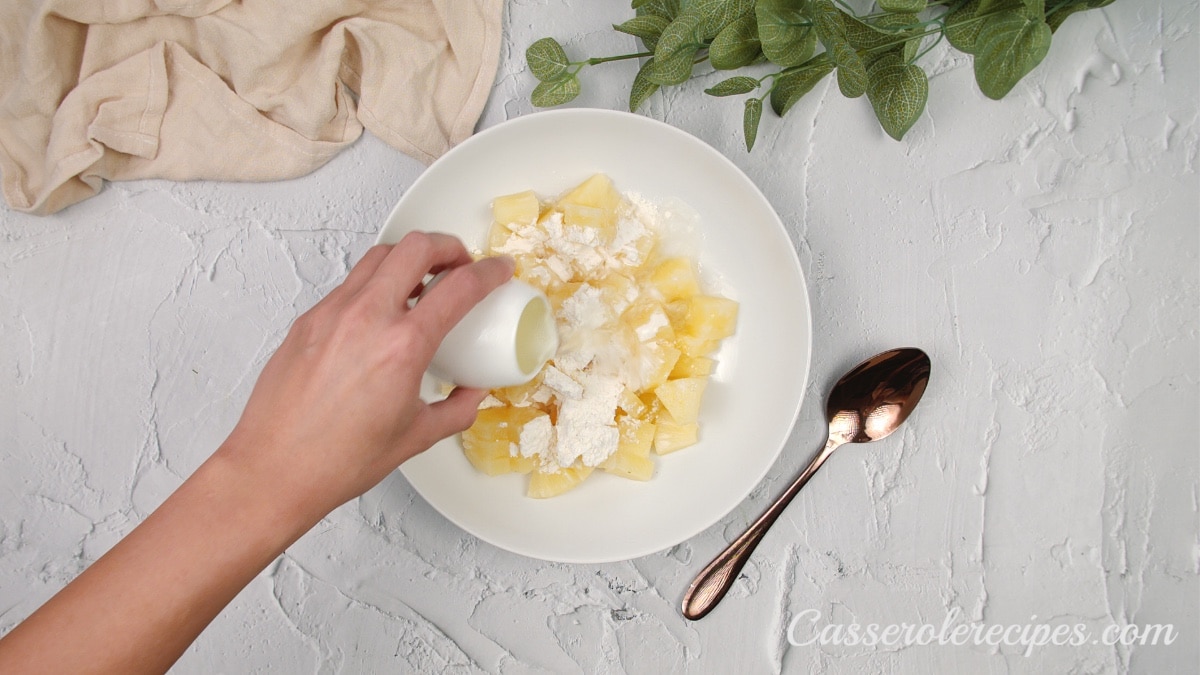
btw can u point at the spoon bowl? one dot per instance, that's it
(876, 396)
(868, 403)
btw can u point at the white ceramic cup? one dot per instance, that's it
(503, 341)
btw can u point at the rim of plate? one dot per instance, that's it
(776, 222)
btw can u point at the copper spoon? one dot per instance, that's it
(867, 404)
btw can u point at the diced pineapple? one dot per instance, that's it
(488, 460)
(682, 397)
(578, 215)
(670, 436)
(634, 436)
(597, 192)
(521, 395)
(692, 366)
(489, 444)
(649, 311)
(676, 311)
(617, 290)
(674, 278)
(522, 464)
(657, 360)
(522, 208)
(525, 264)
(690, 345)
(543, 484)
(649, 321)
(561, 293)
(630, 404)
(498, 234)
(629, 466)
(653, 405)
(710, 318)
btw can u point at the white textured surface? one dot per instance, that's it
(1042, 249)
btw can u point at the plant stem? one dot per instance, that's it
(597, 60)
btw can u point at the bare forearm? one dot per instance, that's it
(333, 412)
(140, 606)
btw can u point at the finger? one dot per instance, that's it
(415, 256)
(460, 290)
(365, 268)
(451, 415)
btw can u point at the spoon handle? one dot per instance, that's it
(714, 581)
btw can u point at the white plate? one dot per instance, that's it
(755, 393)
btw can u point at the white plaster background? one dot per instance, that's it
(1042, 249)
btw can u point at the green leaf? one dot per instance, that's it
(642, 88)
(961, 30)
(791, 85)
(638, 3)
(715, 15)
(865, 36)
(1057, 17)
(831, 29)
(750, 120)
(1036, 7)
(786, 32)
(900, 26)
(897, 92)
(1009, 46)
(663, 8)
(675, 51)
(911, 6)
(555, 92)
(733, 86)
(736, 45)
(546, 59)
(647, 27)
(986, 6)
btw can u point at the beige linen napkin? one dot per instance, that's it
(228, 89)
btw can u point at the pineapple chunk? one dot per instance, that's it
(617, 290)
(670, 436)
(521, 395)
(593, 203)
(692, 366)
(578, 215)
(487, 459)
(543, 484)
(675, 279)
(522, 208)
(629, 466)
(657, 360)
(693, 346)
(676, 311)
(490, 444)
(710, 318)
(634, 436)
(597, 192)
(521, 464)
(560, 294)
(682, 397)
(649, 321)
(631, 405)
(498, 234)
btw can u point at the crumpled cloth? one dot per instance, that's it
(94, 90)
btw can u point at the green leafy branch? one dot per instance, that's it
(873, 54)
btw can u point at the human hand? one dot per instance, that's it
(337, 407)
